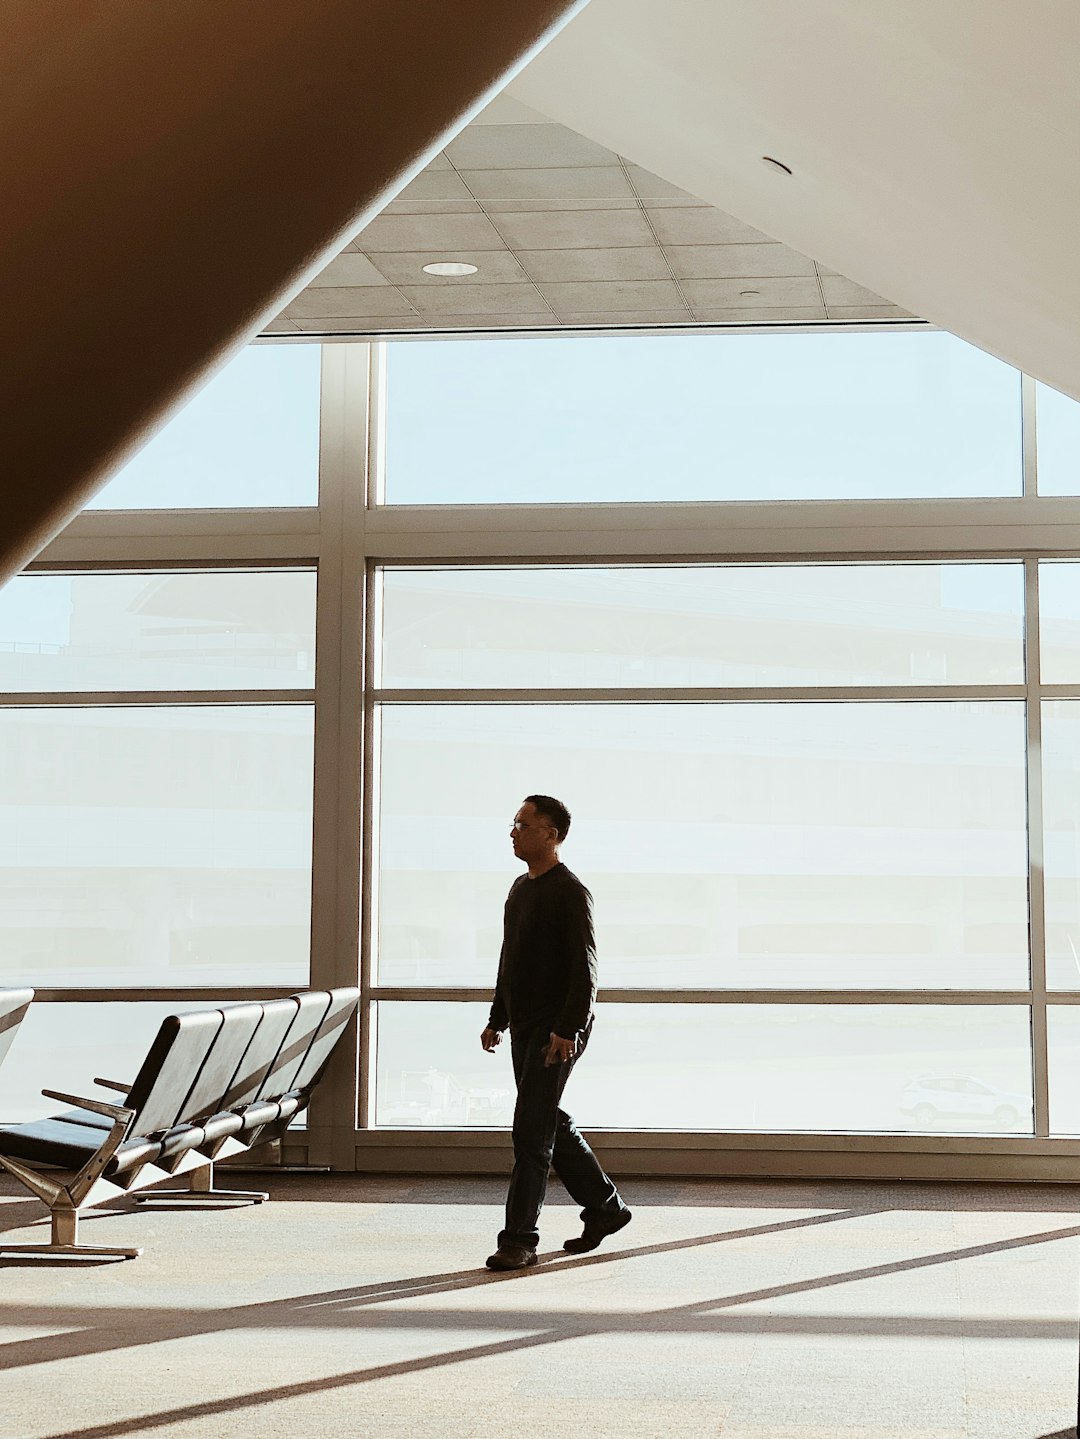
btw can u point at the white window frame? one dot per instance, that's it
(350, 534)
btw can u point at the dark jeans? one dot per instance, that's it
(545, 1135)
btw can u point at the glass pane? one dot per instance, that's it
(1057, 421)
(699, 417)
(249, 437)
(65, 1046)
(226, 629)
(155, 846)
(1063, 1036)
(1061, 811)
(963, 1069)
(739, 845)
(684, 626)
(1059, 622)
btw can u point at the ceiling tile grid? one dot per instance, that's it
(562, 233)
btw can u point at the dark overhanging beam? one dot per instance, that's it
(172, 171)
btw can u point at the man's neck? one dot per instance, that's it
(543, 865)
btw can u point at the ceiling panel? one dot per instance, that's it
(706, 262)
(563, 233)
(509, 299)
(349, 269)
(722, 293)
(678, 225)
(576, 182)
(643, 262)
(406, 267)
(611, 296)
(576, 229)
(428, 232)
(330, 300)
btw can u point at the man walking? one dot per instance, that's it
(545, 993)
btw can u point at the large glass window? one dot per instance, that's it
(1058, 422)
(732, 846)
(153, 847)
(165, 843)
(66, 1046)
(170, 630)
(898, 1068)
(1059, 615)
(1061, 807)
(702, 626)
(768, 841)
(1064, 1049)
(802, 773)
(699, 417)
(249, 437)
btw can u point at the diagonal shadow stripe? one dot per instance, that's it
(21, 1214)
(330, 1308)
(443, 1283)
(899, 1266)
(698, 1317)
(215, 1408)
(258, 1399)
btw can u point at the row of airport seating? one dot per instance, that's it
(214, 1083)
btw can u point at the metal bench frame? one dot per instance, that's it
(198, 1093)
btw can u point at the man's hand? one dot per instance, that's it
(489, 1038)
(558, 1050)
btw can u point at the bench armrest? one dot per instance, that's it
(95, 1106)
(113, 1084)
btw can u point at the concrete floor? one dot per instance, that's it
(355, 1306)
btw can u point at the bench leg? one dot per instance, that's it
(201, 1189)
(64, 1241)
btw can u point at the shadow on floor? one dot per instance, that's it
(643, 1193)
(104, 1330)
(372, 1307)
(18, 1214)
(217, 1409)
(678, 1193)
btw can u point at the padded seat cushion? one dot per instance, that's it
(69, 1146)
(50, 1141)
(86, 1118)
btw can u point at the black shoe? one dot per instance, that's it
(512, 1256)
(595, 1233)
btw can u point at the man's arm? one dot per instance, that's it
(498, 1018)
(581, 965)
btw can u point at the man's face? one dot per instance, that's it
(531, 834)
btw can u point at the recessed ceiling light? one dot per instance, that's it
(749, 292)
(449, 268)
(777, 165)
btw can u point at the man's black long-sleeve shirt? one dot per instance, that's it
(547, 967)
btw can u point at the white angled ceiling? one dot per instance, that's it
(934, 144)
(564, 232)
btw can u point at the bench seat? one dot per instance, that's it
(214, 1083)
(70, 1146)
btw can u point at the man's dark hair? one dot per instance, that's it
(553, 810)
